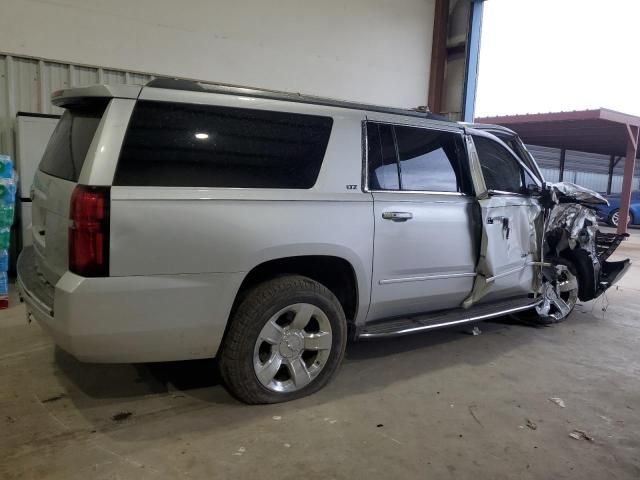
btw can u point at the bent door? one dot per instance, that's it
(511, 222)
(424, 253)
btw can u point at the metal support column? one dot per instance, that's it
(563, 154)
(612, 159)
(473, 55)
(438, 56)
(627, 180)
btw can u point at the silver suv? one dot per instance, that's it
(181, 220)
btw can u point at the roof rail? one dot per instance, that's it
(197, 86)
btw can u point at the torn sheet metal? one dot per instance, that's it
(513, 239)
(579, 224)
(566, 191)
(509, 246)
(519, 234)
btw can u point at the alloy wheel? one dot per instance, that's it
(559, 295)
(292, 348)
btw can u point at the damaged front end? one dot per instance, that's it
(571, 233)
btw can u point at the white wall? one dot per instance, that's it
(374, 51)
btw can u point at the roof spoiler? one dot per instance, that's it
(70, 96)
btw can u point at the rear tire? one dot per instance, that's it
(285, 341)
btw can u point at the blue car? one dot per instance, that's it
(611, 213)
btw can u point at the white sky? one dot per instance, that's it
(552, 55)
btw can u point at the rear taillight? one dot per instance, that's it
(89, 231)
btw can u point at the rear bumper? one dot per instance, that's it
(131, 319)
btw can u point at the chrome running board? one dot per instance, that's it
(442, 319)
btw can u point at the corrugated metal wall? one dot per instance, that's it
(590, 170)
(26, 85)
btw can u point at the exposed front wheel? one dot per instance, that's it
(286, 339)
(559, 293)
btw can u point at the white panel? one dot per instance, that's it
(374, 51)
(32, 136)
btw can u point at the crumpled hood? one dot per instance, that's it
(566, 191)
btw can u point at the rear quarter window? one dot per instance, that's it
(174, 144)
(69, 143)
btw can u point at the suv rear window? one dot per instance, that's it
(69, 143)
(175, 144)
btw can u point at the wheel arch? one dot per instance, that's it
(586, 271)
(334, 272)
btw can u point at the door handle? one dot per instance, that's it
(397, 216)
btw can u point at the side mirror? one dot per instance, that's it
(533, 189)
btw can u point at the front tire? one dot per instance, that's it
(285, 341)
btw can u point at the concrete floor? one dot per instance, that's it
(439, 405)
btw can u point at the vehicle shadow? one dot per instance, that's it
(132, 380)
(161, 391)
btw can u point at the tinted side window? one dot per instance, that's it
(501, 171)
(429, 159)
(69, 143)
(173, 144)
(383, 164)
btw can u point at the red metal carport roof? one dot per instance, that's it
(595, 131)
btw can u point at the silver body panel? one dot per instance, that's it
(179, 255)
(414, 270)
(50, 224)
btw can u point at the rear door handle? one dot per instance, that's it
(397, 216)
